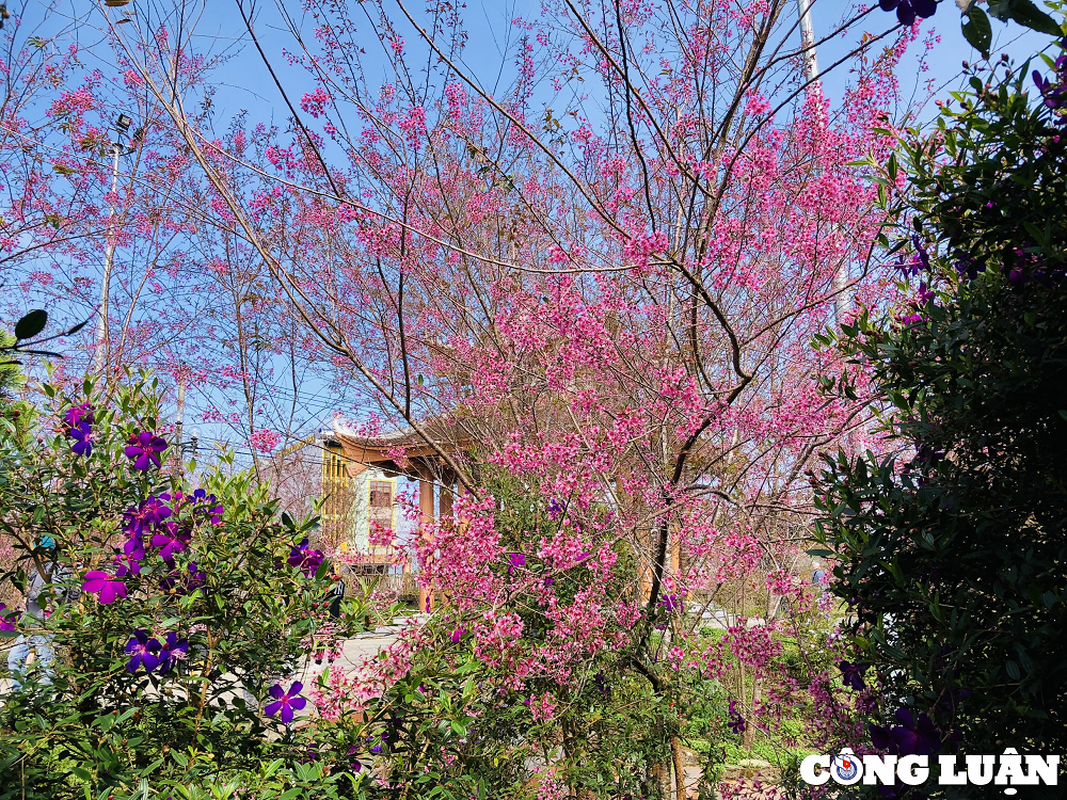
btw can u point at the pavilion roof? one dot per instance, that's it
(379, 450)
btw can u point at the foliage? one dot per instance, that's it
(195, 603)
(16, 415)
(953, 547)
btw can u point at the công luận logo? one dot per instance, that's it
(1003, 772)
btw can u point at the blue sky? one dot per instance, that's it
(491, 33)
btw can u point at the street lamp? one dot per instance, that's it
(101, 355)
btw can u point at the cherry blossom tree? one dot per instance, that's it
(591, 294)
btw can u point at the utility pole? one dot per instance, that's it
(178, 427)
(811, 73)
(102, 352)
(807, 41)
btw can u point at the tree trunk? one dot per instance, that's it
(679, 768)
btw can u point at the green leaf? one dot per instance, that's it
(31, 324)
(82, 773)
(1030, 16)
(977, 30)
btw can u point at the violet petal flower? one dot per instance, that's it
(144, 449)
(147, 516)
(143, 649)
(516, 560)
(296, 555)
(133, 549)
(306, 559)
(172, 649)
(126, 565)
(284, 701)
(212, 509)
(106, 587)
(672, 603)
(924, 8)
(172, 539)
(76, 415)
(7, 618)
(736, 722)
(83, 439)
(852, 674)
(911, 737)
(186, 582)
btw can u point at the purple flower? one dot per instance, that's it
(912, 737)
(602, 684)
(147, 517)
(187, 581)
(213, 510)
(107, 587)
(83, 439)
(516, 560)
(736, 723)
(143, 650)
(79, 414)
(921, 253)
(133, 549)
(144, 449)
(672, 603)
(126, 565)
(852, 674)
(7, 618)
(306, 559)
(296, 555)
(173, 649)
(1055, 96)
(968, 266)
(457, 634)
(356, 765)
(285, 701)
(172, 539)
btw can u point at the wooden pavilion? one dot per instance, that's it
(401, 452)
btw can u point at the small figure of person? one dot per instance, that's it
(818, 577)
(332, 602)
(336, 595)
(59, 580)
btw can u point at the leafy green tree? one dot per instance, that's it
(952, 549)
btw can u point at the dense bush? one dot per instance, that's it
(172, 675)
(953, 548)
